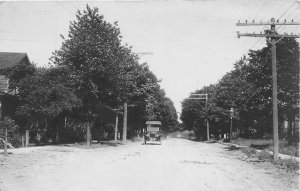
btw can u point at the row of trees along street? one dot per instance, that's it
(89, 79)
(248, 89)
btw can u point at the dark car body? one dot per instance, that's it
(152, 132)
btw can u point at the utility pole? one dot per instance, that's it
(125, 121)
(207, 122)
(275, 38)
(117, 110)
(201, 97)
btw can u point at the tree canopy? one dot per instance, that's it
(89, 77)
(248, 89)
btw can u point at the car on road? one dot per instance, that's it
(152, 132)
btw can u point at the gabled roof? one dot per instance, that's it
(9, 59)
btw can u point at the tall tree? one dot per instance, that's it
(91, 54)
(105, 73)
(45, 96)
(259, 74)
(248, 89)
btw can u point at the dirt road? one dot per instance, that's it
(176, 165)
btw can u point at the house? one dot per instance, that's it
(7, 98)
(7, 60)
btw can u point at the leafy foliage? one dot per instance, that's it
(248, 89)
(13, 135)
(92, 74)
(106, 72)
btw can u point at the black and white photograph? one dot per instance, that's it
(149, 95)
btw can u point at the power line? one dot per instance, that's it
(258, 42)
(60, 4)
(287, 10)
(261, 8)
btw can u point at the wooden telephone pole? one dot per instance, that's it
(201, 97)
(275, 37)
(117, 111)
(124, 137)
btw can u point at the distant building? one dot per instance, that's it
(7, 99)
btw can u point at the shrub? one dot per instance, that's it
(264, 156)
(248, 151)
(292, 150)
(13, 135)
(289, 164)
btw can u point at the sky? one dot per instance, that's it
(187, 44)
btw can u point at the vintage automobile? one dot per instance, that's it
(152, 132)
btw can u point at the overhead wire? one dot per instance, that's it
(259, 10)
(255, 44)
(287, 10)
(61, 5)
(259, 40)
(279, 29)
(284, 13)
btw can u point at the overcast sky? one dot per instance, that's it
(191, 43)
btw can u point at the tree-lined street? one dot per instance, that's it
(84, 117)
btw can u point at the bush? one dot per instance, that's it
(264, 156)
(292, 150)
(289, 164)
(248, 151)
(226, 140)
(12, 132)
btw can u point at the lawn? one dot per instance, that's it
(262, 144)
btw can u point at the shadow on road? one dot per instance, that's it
(2, 153)
(151, 144)
(211, 141)
(94, 145)
(260, 146)
(232, 148)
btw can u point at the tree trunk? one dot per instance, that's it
(88, 128)
(26, 138)
(125, 122)
(290, 130)
(88, 135)
(101, 130)
(116, 127)
(295, 133)
(46, 123)
(5, 142)
(65, 124)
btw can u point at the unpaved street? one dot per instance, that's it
(177, 164)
